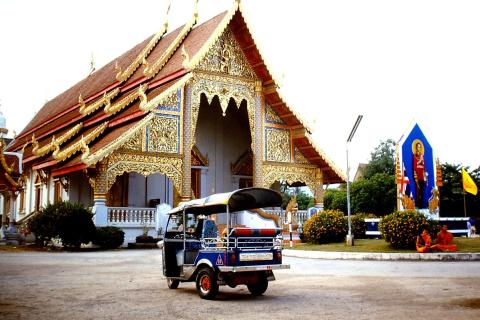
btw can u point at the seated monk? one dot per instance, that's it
(424, 243)
(444, 240)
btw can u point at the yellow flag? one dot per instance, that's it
(468, 184)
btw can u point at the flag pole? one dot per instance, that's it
(464, 202)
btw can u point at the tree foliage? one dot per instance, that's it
(376, 191)
(304, 200)
(335, 199)
(382, 160)
(376, 195)
(452, 195)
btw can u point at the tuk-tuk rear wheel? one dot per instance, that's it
(172, 283)
(207, 285)
(258, 288)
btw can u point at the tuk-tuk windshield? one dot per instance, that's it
(176, 225)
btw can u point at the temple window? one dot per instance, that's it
(57, 197)
(22, 202)
(196, 183)
(38, 193)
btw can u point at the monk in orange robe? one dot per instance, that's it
(444, 240)
(424, 243)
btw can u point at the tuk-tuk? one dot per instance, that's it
(194, 249)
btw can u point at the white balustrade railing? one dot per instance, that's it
(132, 216)
(301, 216)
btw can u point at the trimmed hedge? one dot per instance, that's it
(325, 226)
(109, 237)
(145, 239)
(401, 228)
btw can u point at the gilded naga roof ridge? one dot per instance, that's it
(117, 143)
(327, 159)
(41, 151)
(294, 112)
(130, 70)
(8, 169)
(257, 43)
(151, 70)
(153, 103)
(190, 64)
(62, 155)
(111, 109)
(105, 100)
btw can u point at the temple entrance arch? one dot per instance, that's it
(144, 164)
(310, 176)
(207, 87)
(132, 189)
(223, 134)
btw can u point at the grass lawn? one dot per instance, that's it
(379, 245)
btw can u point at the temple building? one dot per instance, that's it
(182, 115)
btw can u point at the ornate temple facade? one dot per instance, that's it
(181, 115)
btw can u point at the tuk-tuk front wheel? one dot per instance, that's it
(207, 285)
(172, 283)
(258, 288)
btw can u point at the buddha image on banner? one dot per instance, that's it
(419, 167)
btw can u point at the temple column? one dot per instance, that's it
(3, 202)
(13, 214)
(318, 192)
(185, 193)
(100, 208)
(257, 143)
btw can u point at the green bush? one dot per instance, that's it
(70, 222)
(145, 239)
(44, 226)
(401, 228)
(109, 237)
(325, 226)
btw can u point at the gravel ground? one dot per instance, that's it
(128, 284)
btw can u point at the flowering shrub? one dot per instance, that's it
(401, 228)
(325, 226)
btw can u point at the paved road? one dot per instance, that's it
(128, 284)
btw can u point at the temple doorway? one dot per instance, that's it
(135, 190)
(225, 139)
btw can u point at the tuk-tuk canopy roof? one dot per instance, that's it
(238, 200)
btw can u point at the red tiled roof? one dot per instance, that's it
(62, 113)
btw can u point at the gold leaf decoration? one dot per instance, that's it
(124, 75)
(107, 97)
(40, 152)
(62, 155)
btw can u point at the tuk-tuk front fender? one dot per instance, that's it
(204, 261)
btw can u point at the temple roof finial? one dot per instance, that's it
(166, 15)
(92, 64)
(195, 10)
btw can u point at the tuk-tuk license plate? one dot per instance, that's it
(256, 256)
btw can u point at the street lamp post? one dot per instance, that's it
(350, 137)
